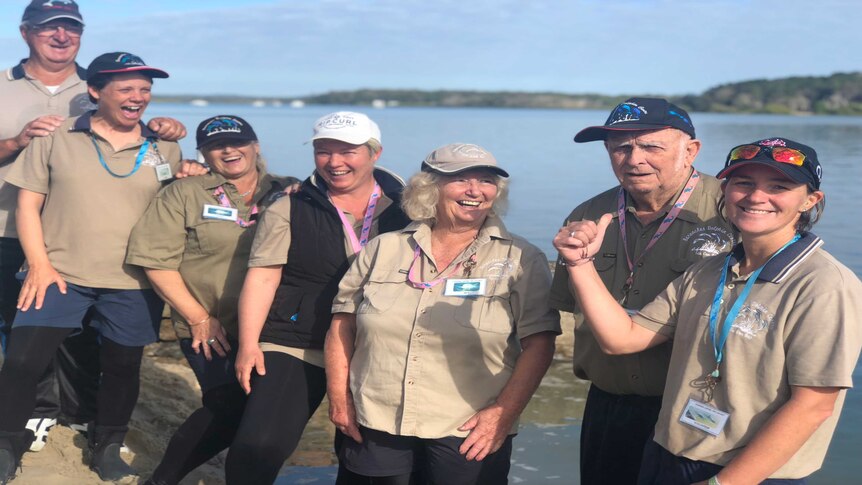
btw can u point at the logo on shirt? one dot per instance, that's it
(753, 319)
(709, 241)
(498, 269)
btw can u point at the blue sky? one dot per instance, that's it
(618, 47)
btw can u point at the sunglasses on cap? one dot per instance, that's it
(779, 154)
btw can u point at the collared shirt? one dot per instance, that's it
(24, 99)
(210, 254)
(801, 325)
(424, 362)
(698, 232)
(89, 213)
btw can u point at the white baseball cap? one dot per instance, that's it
(346, 126)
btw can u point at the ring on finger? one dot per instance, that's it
(211, 341)
(571, 233)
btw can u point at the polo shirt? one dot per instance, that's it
(698, 232)
(425, 362)
(24, 99)
(801, 325)
(88, 213)
(272, 243)
(210, 254)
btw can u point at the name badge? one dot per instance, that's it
(703, 417)
(219, 212)
(465, 287)
(163, 172)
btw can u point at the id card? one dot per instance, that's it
(163, 172)
(153, 158)
(703, 417)
(219, 212)
(465, 287)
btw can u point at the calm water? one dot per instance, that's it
(550, 175)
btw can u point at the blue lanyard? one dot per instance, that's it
(138, 160)
(718, 346)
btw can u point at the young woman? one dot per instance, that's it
(765, 339)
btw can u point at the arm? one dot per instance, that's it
(338, 351)
(170, 286)
(168, 129)
(41, 126)
(41, 273)
(490, 426)
(614, 330)
(256, 297)
(782, 436)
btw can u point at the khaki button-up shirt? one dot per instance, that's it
(425, 362)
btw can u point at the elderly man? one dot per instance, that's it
(36, 95)
(666, 217)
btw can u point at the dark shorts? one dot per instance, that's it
(127, 317)
(383, 455)
(211, 373)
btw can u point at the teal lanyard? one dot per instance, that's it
(138, 160)
(718, 344)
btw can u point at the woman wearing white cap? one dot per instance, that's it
(303, 246)
(441, 333)
(765, 338)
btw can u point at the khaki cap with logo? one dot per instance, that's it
(458, 157)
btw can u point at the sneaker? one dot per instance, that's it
(40, 428)
(82, 428)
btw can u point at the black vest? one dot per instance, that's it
(301, 310)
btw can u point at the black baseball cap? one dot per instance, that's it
(41, 11)
(636, 114)
(795, 160)
(120, 62)
(223, 127)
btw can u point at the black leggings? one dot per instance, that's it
(278, 408)
(30, 352)
(205, 433)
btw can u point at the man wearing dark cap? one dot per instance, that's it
(666, 217)
(37, 95)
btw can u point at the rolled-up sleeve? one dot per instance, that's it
(272, 239)
(158, 240)
(529, 296)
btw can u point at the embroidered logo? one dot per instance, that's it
(127, 59)
(753, 319)
(708, 241)
(627, 111)
(775, 142)
(66, 4)
(468, 150)
(498, 269)
(337, 121)
(223, 124)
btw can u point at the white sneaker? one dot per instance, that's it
(40, 428)
(82, 428)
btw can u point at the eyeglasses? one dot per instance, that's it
(49, 30)
(779, 154)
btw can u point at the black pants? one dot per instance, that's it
(278, 408)
(30, 351)
(75, 368)
(613, 435)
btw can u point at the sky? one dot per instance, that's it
(614, 47)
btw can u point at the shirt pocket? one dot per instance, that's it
(382, 290)
(211, 237)
(489, 313)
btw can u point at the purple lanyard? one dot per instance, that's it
(668, 220)
(413, 280)
(223, 201)
(359, 243)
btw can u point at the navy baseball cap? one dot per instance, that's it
(120, 62)
(41, 11)
(636, 114)
(795, 160)
(223, 127)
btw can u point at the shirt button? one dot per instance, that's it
(730, 286)
(422, 310)
(418, 334)
(637, 292)
(643, 236)
(640, 264)
(410, 382)
(433, 270)
(635, 377)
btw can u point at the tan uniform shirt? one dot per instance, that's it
(24, 99)
(210, 254)
(801, 325)
(272, 242)
(698, 232)
(89, 213)
(424, 362)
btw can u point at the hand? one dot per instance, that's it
(203, 333)
(579, 241)
(191, 168)
(36, 283)
(488, 430)
(292, 188)
(247, 360)
(342, 413)
(41, 126)
(168, 129)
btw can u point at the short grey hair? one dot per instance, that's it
(422, 193)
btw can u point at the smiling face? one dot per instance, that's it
(232, 159)
(466, 198)
(51, 45)
(123, 100)
(763, 202)
(651, 163)
(344, 167)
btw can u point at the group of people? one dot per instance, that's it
(719, 337)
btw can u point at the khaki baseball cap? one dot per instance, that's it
(459, 157)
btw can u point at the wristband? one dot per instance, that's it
(563, 262)
(205, 320)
